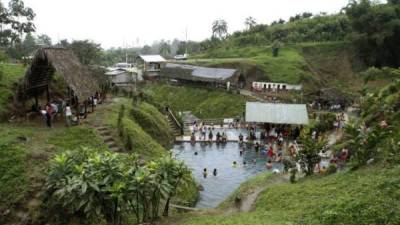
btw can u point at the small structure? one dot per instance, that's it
(58, 73)
(201, 75)
(275, 87)
(121, 74)
(150, 65)
(291, 114)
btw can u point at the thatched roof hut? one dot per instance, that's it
(46, 62)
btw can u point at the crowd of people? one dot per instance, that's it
(63, 108)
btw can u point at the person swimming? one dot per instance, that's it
(205, 173)
(268, 165)
(234, 164)
(215, 172)
(195, 153)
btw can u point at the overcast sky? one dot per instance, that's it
(113, 22)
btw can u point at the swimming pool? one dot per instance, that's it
(210, 156)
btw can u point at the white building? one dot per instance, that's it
(268, 86)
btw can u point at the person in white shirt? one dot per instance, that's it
(68, 115)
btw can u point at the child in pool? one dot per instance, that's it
(205, 173)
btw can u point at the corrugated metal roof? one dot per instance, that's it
(152, 58)
(258, 112)
(205, 72)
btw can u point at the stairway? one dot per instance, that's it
(175, 129)
(108, 139)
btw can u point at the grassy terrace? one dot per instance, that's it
(10, 74)
(332, 64)
(368, 196)
(202, 102)
(25, 153)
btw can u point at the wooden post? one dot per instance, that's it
(48, 93)
(92, 104)
(36, 103)
(85, 108)
(77, 110)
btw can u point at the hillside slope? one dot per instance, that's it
(315, 65)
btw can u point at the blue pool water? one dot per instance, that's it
(210, 156)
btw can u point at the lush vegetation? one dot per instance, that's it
(96, 185)
(154, 123)
(201, 102)
(132, 135)
(366, 196)
(10, 74)
(25, 152)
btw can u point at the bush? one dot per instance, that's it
(94, 185)
(332, 168)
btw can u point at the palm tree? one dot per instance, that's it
(250, 23)
(220, 28)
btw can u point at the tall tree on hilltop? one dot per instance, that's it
(44, 39)
(14, 22)
(165, 48)
(220, 29)
(376, 31)
(87, 51)
(250, 23)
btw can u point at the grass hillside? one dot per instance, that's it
(154, 123)
(25, 153)
(202, 102)
(328, 64)
(367, 196)
(9, 76)
(142, 142)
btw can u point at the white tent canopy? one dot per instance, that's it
(257, 112)
(152, 58)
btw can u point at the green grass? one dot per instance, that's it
(202, 102)
(367, 196)
(10, 75)
(288, 67)
(327, 64)
(143, 143)
(247, 188)
(23, 164)
(154, 123)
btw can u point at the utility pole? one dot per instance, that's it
(186, 43)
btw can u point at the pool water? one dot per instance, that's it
(210, 156)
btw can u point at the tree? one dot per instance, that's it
(376, 31)
(276, 45)
(146, 50)
(250, 23)
(220, 29)
(29, 45)
(44, 39)
(165, 48)
(87, 51)
(14, 22)
(308, 156)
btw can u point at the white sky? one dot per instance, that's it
(113, 22)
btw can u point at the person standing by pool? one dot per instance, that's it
(215, 172)
(257, 147)
(240, 138)
(205, 173)
(210, 136)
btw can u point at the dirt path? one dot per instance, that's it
(247, 203)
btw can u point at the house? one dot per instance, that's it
(150, 65)
(215, 77)
(275, 87)
(56, 74)
(122, 74)
(272, 113)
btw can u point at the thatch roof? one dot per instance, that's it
(46, 62)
